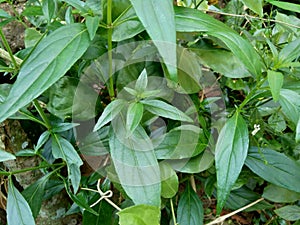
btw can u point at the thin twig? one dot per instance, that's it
(223, 218)
(251, 17)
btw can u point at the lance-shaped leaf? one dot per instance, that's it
(159, 22)
(109, 113)
(18, 210)
(290, 103)
(62, 149)
(275, 81)
(134, 115)
(290, 52)
(163, 109)
(289, 212)
(274, 167)
(192, 20)
(135, 163)
(48, 62)
(190, 209)
(231, 152)
(4, 156)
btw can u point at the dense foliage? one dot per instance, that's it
(173, 104)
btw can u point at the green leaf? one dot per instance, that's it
(18, 210)
(286, 5)
(92, 23)
(159, 22)
(109, 113)
(274, 167)
(289, 53)
(196, 164)
(141, 82)
(275, 81)
(230, 154)
(62, 149)
(290, 103)
(171, 145)
(42, 139)
(169, 180)
(127, 26)
(80, 5)
(214, 58)
(297, 137)
(4, 156)
(135, 163)
(277, 122)
(49, 8)
(134, 115)
(32, 36)
(289, 212)
(61, 127)
(278, 194)
(34, 194)
(190, 209)
(163, 109)
(192, 20)
(140, 215)
(49, 61)
(4, 14)
(255, 6)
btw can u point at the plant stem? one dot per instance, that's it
(173, 212)
(42, 114)
(109, 44)
(30, 169)
(12, 58)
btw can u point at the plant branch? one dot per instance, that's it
(42, 114)
(109, 44)
(5, 55)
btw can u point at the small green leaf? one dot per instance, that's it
(297, 137)
(281, 195)
(169, 180)
(163, 109)
(134, 115)
(274, 167)
(290, 103)
(63, 149)
(32, 36)
(190, 209)
(275, 81)
(141, 82)
(140, 215)
(159, 22)
(18, 210)
(4, 14)
(44, 137)
(34, 194)
(289, 212)
(49, 8)
(286, 5)
(92, 23)
(80, 5)
(289, 53)
(61, 127)
(230, 154)
(48, 62)
(4, 156)
(109, 113)
(255, 6)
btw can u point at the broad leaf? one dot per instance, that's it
(190, 209)
(63, 149)
(230, 154)
(255, 6)
(289, 212)
(163, 109)
(169, 180)
(275, 81)
(192, 20)
(278, 194)
(159, 22)
(136, 165)
(4, 156)
(290, 103)
(18, 210)
(134, 115)
(109, 113)
(140, 214)
(274, 167)
(48, 62)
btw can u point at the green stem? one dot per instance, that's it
(173, 212)
(109, 44)
(6, 45)
(31, 168)
(42, 114)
